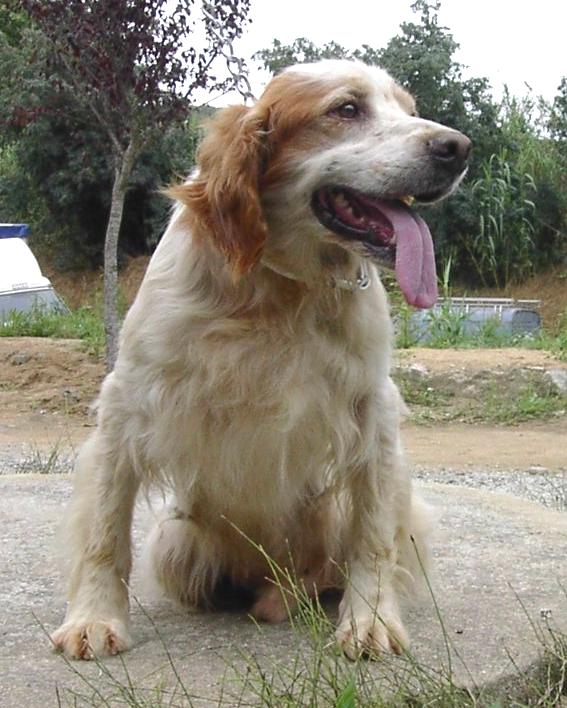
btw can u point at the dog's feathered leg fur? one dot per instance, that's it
(98, 532)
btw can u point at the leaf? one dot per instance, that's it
(347, 698)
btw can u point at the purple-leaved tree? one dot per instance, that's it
(134, 65)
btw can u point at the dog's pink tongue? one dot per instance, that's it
(415, 257)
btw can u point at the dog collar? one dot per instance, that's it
(361, 282)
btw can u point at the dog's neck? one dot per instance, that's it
(327, 267)
(361, 281)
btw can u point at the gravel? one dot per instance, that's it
(537, 484)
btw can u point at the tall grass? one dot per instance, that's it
(502, 250)
(314, 674)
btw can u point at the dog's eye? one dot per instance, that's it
(348, 110)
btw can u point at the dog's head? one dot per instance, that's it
(332, 153)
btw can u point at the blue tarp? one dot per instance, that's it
(14, 230)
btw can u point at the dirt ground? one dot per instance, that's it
(47, 387)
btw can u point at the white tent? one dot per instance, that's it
(23, 288)
(19, 269)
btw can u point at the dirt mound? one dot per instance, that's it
(496, 386)
(38, 374)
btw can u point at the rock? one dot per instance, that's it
(558, 380)
(499, 567)
(18, 359)
(537, 469)
(419, 369)
(70, 395)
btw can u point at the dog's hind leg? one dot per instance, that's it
(97, 531)
(313, 553)
(181, 558)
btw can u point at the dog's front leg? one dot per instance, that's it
(369, 616)
(97, 536)
(379, 503)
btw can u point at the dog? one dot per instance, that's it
(252, 383)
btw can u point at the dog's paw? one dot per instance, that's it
(272, 605)
(371, 635)
(91, 639)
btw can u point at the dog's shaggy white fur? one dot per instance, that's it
(252, 381)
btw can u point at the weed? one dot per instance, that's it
(420, 393)
(38, 461)
(503, 248)
(445, 329)
(85, 323)
(529, 405)
(557, 343)
(316, 675)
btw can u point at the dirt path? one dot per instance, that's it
(520, 447)
(47, 386)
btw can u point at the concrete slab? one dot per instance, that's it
(500, 562)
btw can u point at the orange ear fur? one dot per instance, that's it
(223, 197)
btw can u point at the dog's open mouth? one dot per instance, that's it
(388, 232)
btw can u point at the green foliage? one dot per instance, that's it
(557, 342)
(347, 698)
(446, 330)
(502, 250)
(13, 22)
(558, 117)
(84, 323)
(300, 51)
(54, 168)
(531, 404)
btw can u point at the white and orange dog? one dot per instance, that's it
(252, 381)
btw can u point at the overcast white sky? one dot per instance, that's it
(512, 42)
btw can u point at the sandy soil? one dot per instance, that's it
(439, 360)
(47, 387)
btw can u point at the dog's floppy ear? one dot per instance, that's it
(223, 196)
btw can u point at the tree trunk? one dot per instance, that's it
(123, 169)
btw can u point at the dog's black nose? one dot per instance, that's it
(451, 149)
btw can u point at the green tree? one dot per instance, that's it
(13, 23)
(54, 171)
(558, 115)
(300, 51)
(131, 65)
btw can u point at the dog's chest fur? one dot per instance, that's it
(267, 409)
